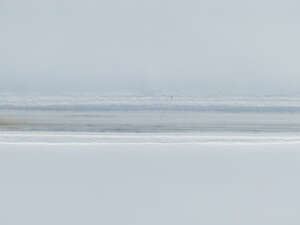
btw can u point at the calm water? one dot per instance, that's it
(168, 114)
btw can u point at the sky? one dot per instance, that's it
(153, 47)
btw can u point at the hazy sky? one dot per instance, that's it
(150, 47)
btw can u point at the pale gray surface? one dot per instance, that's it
(150, 47)
(215, 184)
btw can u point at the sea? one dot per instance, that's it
(179, 119)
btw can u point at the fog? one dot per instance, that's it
(199, 47)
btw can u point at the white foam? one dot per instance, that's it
(89, 138)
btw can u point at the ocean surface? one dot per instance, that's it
(210, 118)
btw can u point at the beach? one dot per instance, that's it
(149, 183)
(148, 160)
(149, 112)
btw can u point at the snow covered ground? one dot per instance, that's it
(215, 183)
